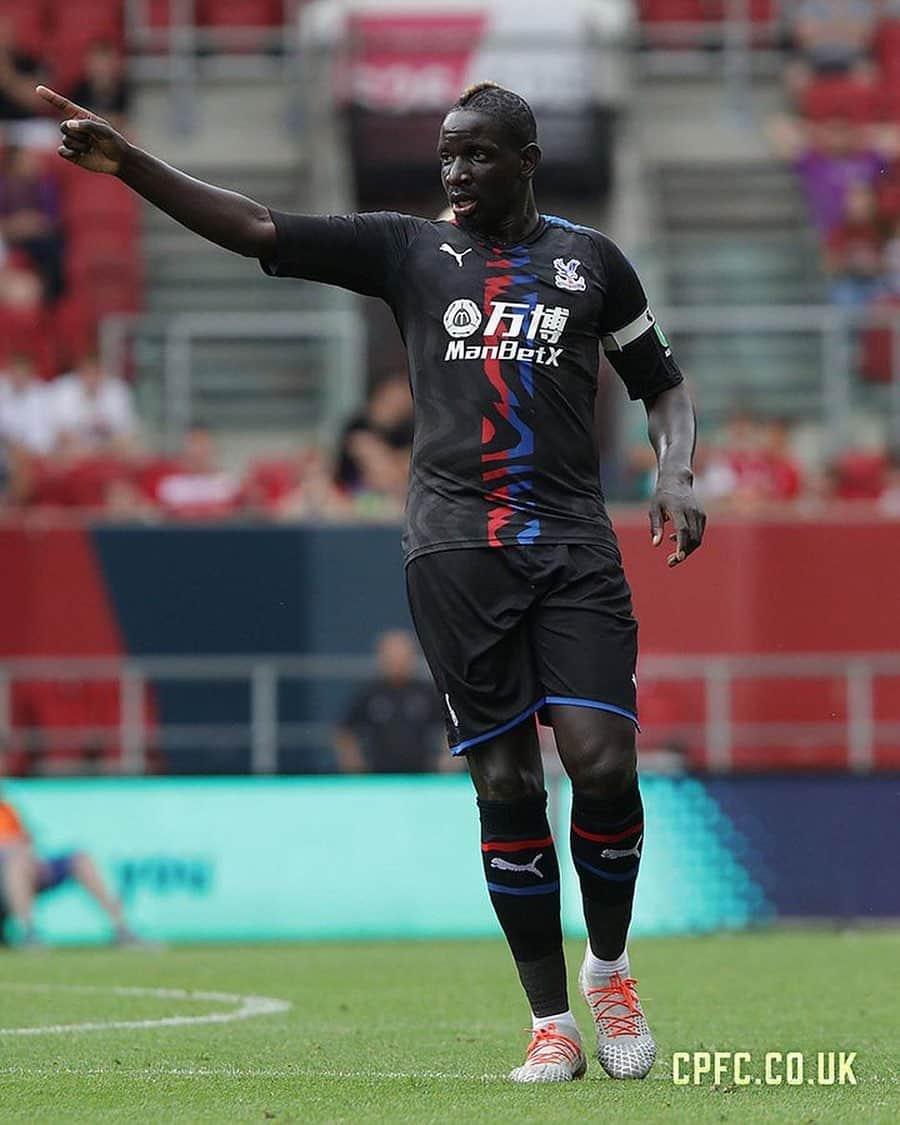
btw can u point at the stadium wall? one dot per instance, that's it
(758, 586)
(328, 858)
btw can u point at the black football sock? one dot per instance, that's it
(607, 836)
(523, 881)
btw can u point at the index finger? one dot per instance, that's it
(69, 109)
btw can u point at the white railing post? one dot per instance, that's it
(177, 376)
(718, 715)
(736, 43)
(131, 720)
(860, 717)
(836, 363)
(264, 719)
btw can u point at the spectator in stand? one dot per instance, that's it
(831, 37)
(753, 465)
(829, 157)
(858, 474)
(194, 485)
(889, 501)
(781, 479)
(93, 412)
(297, 487)
(393, 724)
(25, 413)
(854, 255)
(19, 74)
(891, 259)
(104, 86)
(21, 290)
(30, 214)
(376, 443)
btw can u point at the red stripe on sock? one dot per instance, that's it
(517, 845)
(607, 838)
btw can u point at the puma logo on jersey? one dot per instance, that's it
(505, 865)
(622, 853)
(457, 254)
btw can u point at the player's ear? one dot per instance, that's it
(531, 158)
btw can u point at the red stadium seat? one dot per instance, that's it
(73, 323)
(157, 13)
(26, 17)
(240, 13)
(73, 28)
(860, 475)
(700, 11)
(29, 332)
(100, 203)
(257, 16)
(846, 98)
(887, 98)
(104, 274)
(877, 349)
(59, 708)
(887, 48)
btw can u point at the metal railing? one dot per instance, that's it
(838, 330)
(857, 725)
(340, 332)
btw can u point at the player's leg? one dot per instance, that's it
(586, 643)
(469, 608)
(80, 867)
(597, 750)
(18, 884)
(522, 874)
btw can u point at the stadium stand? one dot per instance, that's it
(732, 231)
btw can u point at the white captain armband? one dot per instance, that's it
(619, 341)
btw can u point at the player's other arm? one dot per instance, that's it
(224, 217)
(638, 349)
(673, 433)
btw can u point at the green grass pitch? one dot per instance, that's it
(424, 1032)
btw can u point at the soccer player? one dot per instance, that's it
(513, 572)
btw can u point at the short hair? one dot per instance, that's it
(511, 110)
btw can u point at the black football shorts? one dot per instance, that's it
(507, 630)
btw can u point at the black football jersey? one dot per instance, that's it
(503, 345)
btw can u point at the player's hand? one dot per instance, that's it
(675, 500)
(88, 140)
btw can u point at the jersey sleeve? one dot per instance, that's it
(360, 252)
(631, 339)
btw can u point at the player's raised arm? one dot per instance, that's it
(224, 217)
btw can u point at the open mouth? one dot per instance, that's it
(462, 206)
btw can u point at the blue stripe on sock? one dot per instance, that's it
(622, 877)
(548, 889)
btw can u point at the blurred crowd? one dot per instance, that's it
(763, 463)
(843, 140)
(75, 442)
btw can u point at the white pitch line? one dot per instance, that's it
(242, 1072)
(250, 1006)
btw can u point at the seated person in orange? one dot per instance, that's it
(24, 874)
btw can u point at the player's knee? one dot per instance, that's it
(506, 782)
(605, 769)
(77, 862)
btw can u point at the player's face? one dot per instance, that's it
(484, 175)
